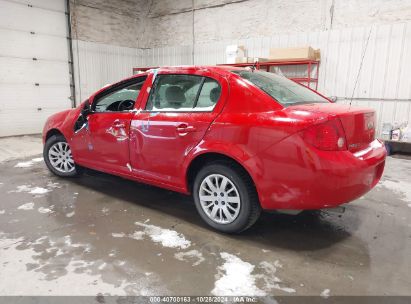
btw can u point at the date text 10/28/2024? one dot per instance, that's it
(205, 299)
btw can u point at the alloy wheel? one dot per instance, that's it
(60, 157)
(219, 198)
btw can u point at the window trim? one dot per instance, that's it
(117, 87)
(154, 86)
(199, 92)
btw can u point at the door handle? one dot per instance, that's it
(183, 129)
(118, 124)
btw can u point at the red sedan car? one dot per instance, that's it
(240, 141)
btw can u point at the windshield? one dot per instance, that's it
(285, 91)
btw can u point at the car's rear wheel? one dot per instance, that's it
(58, 158)
(225, 197)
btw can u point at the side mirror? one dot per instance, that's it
(86, 109)
(333, 99)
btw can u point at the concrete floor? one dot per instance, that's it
(102, 234)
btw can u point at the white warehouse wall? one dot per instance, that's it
(97, 64)
(176, 22)
(34, 64)
(163, 32)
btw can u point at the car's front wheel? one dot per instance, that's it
(225, 197)
(58, 158)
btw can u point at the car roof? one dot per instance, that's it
(221, 69)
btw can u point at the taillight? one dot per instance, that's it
(327, 136)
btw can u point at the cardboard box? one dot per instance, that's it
(242, 60)
(317, 54)
(259, 59)
(250, 59)
(234, 51)
(302, 53)
(246, 59)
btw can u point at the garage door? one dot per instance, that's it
(34, 69)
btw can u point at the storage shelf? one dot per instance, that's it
(312, 65)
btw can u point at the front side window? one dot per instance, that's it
(119, 99)
(284, 90)
(183, 93)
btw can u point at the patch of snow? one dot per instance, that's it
(2, 211)
(105, 210)
(39, 240)
(235, 278)
(118, 235)
(53, 185)
(26, 206)
(146, 221)
(401, 187)
(28, 163)
(102, 266)
(137, 235)
(271, 281)
(67, 240)
(44, 210)
(38, 190)
(167, 237)
(409, 205)
(70, 214)
(24, 164)
(84, 283)
(29, 189)
(21, 188)
(325, 293)
(195, 255)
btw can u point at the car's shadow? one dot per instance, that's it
(303, 232)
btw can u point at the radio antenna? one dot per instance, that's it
(253, 67)
(362, 60)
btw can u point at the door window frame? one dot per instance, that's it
(117, 87)
(155, 83)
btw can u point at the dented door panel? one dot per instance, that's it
(109, 145)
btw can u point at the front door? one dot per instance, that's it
(109, 126)
(178, 112)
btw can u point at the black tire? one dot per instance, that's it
(49, 143)
(249, 204)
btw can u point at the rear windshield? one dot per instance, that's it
(284, 90)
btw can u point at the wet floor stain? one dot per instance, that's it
(100, 234)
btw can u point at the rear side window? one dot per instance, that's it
(209, 95)
(185, 93)
(285, 91)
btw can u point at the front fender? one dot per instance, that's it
(61, 122)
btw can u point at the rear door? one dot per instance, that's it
(179, 109)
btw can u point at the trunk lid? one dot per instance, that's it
(358, 123)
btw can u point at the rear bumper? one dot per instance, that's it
(297, 176)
